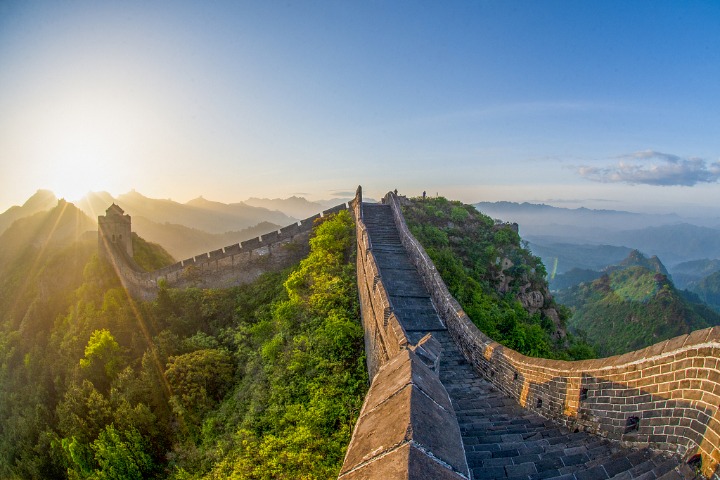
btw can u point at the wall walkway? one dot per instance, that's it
(665, 396)
(515, 413)
(447, 402)
(236, 264)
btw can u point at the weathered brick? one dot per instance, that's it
(693, 394)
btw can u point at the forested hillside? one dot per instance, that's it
(499, 283)
(634, 307)
(259, 381)
(708, 289)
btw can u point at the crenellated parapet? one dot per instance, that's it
(666, 396)
(236, 264)
(407, 427)
(384, 336)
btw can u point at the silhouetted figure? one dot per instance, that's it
(396, 192)
(424, 193)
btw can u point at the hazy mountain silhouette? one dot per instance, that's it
(563, 257)
(94, 204)
(40, 201)
(687, 273)
(183, 242)
(588, 239)
(674, 243)
(708, 289)
(184, 230)
(202, 214)
(297, 207)
(57, 227)
(546, 220)
(199, 213)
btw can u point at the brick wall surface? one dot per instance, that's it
(233, 265)
(397, 434)
(384, 336)
(666, 395)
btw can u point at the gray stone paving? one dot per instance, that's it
(502, 440)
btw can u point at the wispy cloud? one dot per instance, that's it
(342, 193)
(654, 168)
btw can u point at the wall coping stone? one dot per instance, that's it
(407, 427)
(675, 382)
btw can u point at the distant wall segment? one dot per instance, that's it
(236, 264)
(666, 396)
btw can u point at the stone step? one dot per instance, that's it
(502, 440)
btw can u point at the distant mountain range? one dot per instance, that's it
(673, 238)
(199, 213)
(184, 229)
(57, 227)
(563, 257)
(297, 207)
(575, 244)
(183, 242)
(540, 219)
(41, 201)
(708, 290)
(688, 273)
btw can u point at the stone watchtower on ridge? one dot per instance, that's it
(114, 231)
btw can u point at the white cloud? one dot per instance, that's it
(654, 168)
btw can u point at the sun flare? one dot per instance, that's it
(77, 172)
(85, 142)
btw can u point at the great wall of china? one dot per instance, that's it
(233, 265)
(446, 401)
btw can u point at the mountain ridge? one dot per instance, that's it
(41, 200)
(633, 305)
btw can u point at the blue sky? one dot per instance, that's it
(603, 104)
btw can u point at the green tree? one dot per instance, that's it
(199, 380)
(103, 358)
(121, 455)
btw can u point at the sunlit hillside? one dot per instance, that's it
(257, 381)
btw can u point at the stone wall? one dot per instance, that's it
(226, 267)
(407, 426)
(384, 336)
(397, 434)
(665, 396)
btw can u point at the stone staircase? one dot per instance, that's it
(502, 440)
(410, 301)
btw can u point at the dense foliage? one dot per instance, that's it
(487, 270)
(150, 256)
(632, 308)
(258, 381)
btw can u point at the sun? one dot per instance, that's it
(85, 138)
(77, 171)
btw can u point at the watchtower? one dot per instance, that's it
(114, 231)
